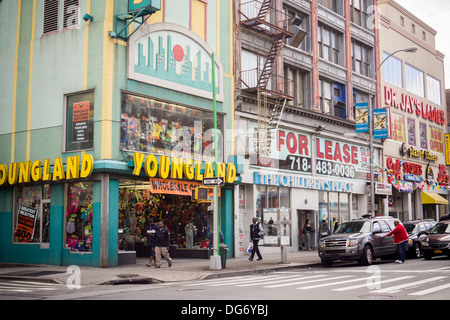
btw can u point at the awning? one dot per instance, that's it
(432, 198)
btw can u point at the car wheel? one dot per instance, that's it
(417, 251)
(367, 257)
(327, 263)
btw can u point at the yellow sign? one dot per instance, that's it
(26, 172)
(447, 149)
(179, 168)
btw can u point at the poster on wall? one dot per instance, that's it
(270, 226)
(436, 140)
(80, 118)
(285, 227)
(398, 128)
(26, 220)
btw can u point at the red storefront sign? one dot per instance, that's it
(412, 105)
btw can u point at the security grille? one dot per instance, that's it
(51, 13)
(71, 13)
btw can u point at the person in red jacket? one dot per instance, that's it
(400, 239)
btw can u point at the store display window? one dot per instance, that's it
(32, 215)
(158, 127)
(188, 222)
(79, 121)
(79, 216)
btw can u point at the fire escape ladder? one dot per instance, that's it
(265, 7)
(266, 72)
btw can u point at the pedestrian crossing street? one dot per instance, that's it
(419, 284)
(18, 286)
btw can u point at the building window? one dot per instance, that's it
(79, 216)
(71, 13)
(305, 25)
(360, 58)
(433, 90)
(393, 71)
(51, 15)
(32, 215)
(360, 11)
(79, 121)
(164, 128)
(295, 85)
(330, 43)
(414, 82)
(333, 5)
(325, 89)
(413, 28)
(402, 21)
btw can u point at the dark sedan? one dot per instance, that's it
(437, 241)
(415, 229)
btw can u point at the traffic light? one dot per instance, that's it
(202, 195)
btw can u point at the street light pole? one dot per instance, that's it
(372, 184)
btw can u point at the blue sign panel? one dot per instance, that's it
(380, 124)
(362, 117)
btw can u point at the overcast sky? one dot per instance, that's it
(435, 13)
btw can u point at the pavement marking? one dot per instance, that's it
(332, 283)
(278, 279)
(430, 290)
(307, 281)
(406, 285)
(372, 284)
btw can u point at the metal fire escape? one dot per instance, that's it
(266, 81)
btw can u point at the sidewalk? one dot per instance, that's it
(182, 270)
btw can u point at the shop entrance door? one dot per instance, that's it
(304, 215)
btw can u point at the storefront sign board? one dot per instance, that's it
(25, 172)
(168, 186)
(26, 220)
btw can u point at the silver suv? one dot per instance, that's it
(360, 239)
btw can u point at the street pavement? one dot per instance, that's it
(181, 270)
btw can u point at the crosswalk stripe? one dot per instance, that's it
(373, 284)
(306, 281)
(212, 281)
(406, 285)
(332, 283)
(430, 290)
(279, 279)
(265, 279)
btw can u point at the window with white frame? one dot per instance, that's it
(433, 90)
(414, 82)
(393, 72)
(360, 58)
(330, 43)
(325, 89)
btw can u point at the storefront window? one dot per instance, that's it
(32, 215)
(79, 216)
(138, 206)
(79, 121)
(158, 127)
(284, 198)
(260, 200)
(334, 208)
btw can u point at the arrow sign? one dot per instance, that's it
(210, 182)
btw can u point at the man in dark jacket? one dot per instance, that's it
(162, 241)
(256, 231)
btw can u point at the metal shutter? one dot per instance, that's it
(51, 14)
(71, 13)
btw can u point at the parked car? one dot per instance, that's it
(360, 239)
(436, 242)
(415, 229)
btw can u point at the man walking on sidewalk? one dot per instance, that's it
(256, 231)
(162, 241)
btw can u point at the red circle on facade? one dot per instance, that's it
(178, 53)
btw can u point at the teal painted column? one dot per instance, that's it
(227, 219)
(56, 224)
(6, 207)
(113, 236)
